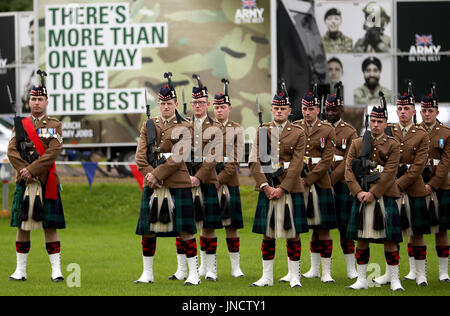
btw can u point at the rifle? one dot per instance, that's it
(152, 149)
(184, 102)
(265, 158)
(220, 166)
(26, 148)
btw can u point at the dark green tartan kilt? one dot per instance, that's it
(393, 222)
(327, 209)
(343, 202)
(260, 221)
(213, 214)
(420, 218)
(236, 208)
(444, 209)
(183, 213)
(53, 214)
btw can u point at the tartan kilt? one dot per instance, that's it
(343, 202)
(260, 221)
(53, 209)
(183, 213)
(444, 209)
(420, 219)
(236, 208)
(213, 215)
(393, 223)
(327, 209)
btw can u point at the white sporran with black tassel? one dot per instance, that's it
(225, 204)
(371, 217)
(32, 213)
(280, 218)
(433, 212)
(161, 211)
(312, 209)
(199, 207)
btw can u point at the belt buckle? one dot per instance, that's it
(306, 159)
(378, 168)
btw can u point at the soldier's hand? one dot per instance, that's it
(361, 196)
(195, 181)
(152, 181)
(429, 189)
(277, 193)
(369, 197)
(25, 174)
(268, 191)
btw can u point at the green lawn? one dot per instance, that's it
(100, 238)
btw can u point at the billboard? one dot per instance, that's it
(103, 57)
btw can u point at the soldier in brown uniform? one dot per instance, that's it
(207, 151)
(345, 134)
(321, 212)
(227, 174)
(167, 206)
(43, 136)
(413, 157)
(276, 161)
(436, 177)
(375, 216)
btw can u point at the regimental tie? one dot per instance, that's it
(404, 131)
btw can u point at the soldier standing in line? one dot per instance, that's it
(413, 141)
(436, 177)
(276, 161)
(227, 174)
(207, 150)
(345, 134)
(33, 149)
(167, 206)
(321, 212)
(374, 216)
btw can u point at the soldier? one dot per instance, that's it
(37, 201)
(374, 215)
(335, 70)
(375, 20)
(345, 134)
(207, 148)
(368, 93)
(413, 157)
(166, 205)
(436, 177)
(334, 41)
(275, 162)
(227, 174)
(321, 212)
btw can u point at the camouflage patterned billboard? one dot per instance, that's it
(101, 57)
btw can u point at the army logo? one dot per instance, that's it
(424, 46)
(249, 13)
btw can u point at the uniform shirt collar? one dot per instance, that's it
(168, 120)
(406, 127)
(337, 123)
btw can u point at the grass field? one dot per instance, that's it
(100, 238)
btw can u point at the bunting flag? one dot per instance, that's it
(137, 175)
(90, 168)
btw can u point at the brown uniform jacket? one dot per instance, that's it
(414, 152)
(318, 173)
(439, 148)
(291, 147)
(208, 140)
(53, 147)
(345, 134)
(386, 153)
(173, 173)
(231, 133)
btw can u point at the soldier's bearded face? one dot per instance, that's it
(377, 126)
(167, 108)
(333, 22)
(200, 107)
(405, 114)
(372, 76)
(429, 115)
(38, 105)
